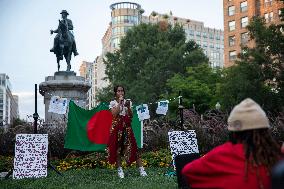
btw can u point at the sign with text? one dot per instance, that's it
(183, 142)
(58, 105)
(30, 159)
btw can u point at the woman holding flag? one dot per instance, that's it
(122, 142)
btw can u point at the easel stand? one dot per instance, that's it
(35, 116)
(49, 165)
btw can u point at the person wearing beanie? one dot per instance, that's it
(245, 161)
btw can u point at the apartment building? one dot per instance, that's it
(9, 110)
(88, 71)
(125, 15)
(237, 14)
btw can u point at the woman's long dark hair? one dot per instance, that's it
(115, 89)
(260, 149)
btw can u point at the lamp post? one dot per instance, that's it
(35, 115)
(180, 108)
(218, 106)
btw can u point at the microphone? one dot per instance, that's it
(121, 98)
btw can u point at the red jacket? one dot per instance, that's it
(224, 167)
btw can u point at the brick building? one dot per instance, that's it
(237, 14)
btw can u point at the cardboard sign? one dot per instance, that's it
(183, 142)
(30, 159)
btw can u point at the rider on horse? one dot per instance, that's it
(68, 22)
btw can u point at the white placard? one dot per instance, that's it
(143, 112)
(162, 107)
(58, 105)
(30, 159)
(183, 142)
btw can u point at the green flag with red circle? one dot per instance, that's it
(88, 130)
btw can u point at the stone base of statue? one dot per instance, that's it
(64, 84)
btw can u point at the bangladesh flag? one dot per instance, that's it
(88, 130)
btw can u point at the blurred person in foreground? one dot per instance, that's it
(245, 161)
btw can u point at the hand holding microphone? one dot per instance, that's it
(121, 99)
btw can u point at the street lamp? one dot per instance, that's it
(218, 106)
(180, 108)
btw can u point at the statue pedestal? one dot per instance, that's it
(64, 84)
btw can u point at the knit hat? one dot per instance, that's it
(247, 115)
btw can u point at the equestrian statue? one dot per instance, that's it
(64, 42)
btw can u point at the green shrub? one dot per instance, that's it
(6, 163)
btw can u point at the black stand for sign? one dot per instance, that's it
(35, 116)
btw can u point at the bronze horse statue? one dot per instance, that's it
(64, 45)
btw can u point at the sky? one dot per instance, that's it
(25, 38)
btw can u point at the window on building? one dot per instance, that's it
(268, 17)
(212, 55)
(244, 6)
(212, 45)
(231, 10)
(232, 55)
(268, 2)
(244, 22)
(232, 25)
(244, 38)
(191, 32)
(217, 37)
(279, 12)
(271, 16)
(217, 46)
(190, 37)
(198, 42)
(126, 28)
(232, 40)
(211, 35)
(205, 44)
(198, 33)
(115, 42)
(2, 82)
(204, 34)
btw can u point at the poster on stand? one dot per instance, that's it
(30, 159)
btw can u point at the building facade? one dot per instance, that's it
(211, 40)
(8, 104)
(88, 71)
(14, 107)
(237, 14)
(125, 15)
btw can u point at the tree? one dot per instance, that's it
(198, 87)
(259, 72)
(18, 121)
(149, 55)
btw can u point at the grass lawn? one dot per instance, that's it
(97, 178)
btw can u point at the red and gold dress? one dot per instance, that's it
(122, 138)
